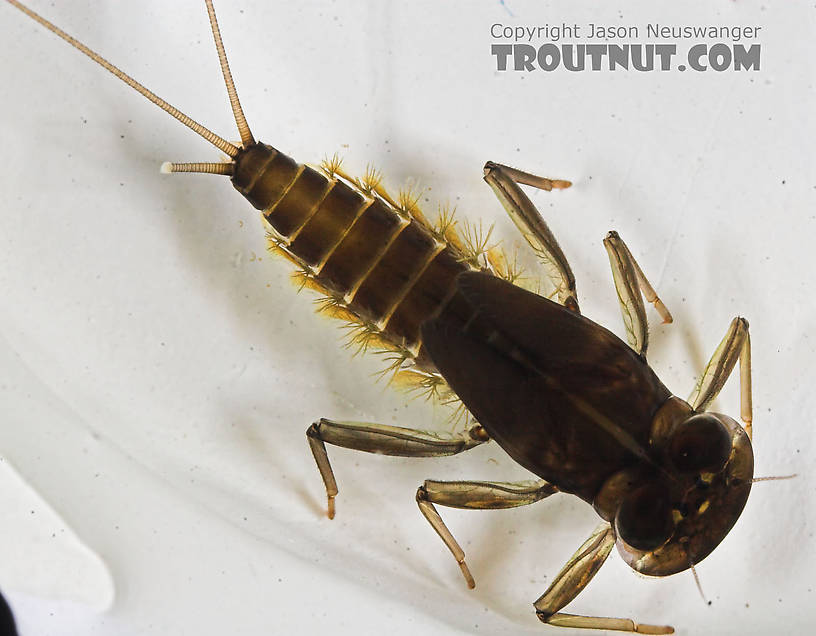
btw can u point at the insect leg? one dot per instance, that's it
(571, 581)
(630, 283)
(383, 440)
(505, 183)
(475, 495)
(736, 345)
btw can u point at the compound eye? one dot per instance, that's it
(644, 519)
(700, 444)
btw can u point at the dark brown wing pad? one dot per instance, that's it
(520, 362)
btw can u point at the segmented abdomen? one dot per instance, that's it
(378, 263)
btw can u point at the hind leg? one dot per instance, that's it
(505, 182)
(383, 440)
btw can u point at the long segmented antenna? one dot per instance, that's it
(222, 144)
(774, 478)
(697, 581)
(237, 111)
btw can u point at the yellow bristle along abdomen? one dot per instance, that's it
(377, 262)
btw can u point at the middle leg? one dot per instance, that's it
(475, 495)
(631, 283)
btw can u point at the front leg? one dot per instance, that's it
(505, 183)
(383, 440)
(571, 581)
(736, 345)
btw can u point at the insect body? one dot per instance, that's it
(379, 265)
(564, 397)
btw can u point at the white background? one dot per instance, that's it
(156, 377)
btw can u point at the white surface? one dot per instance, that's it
(157, 379)
(51, 560)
